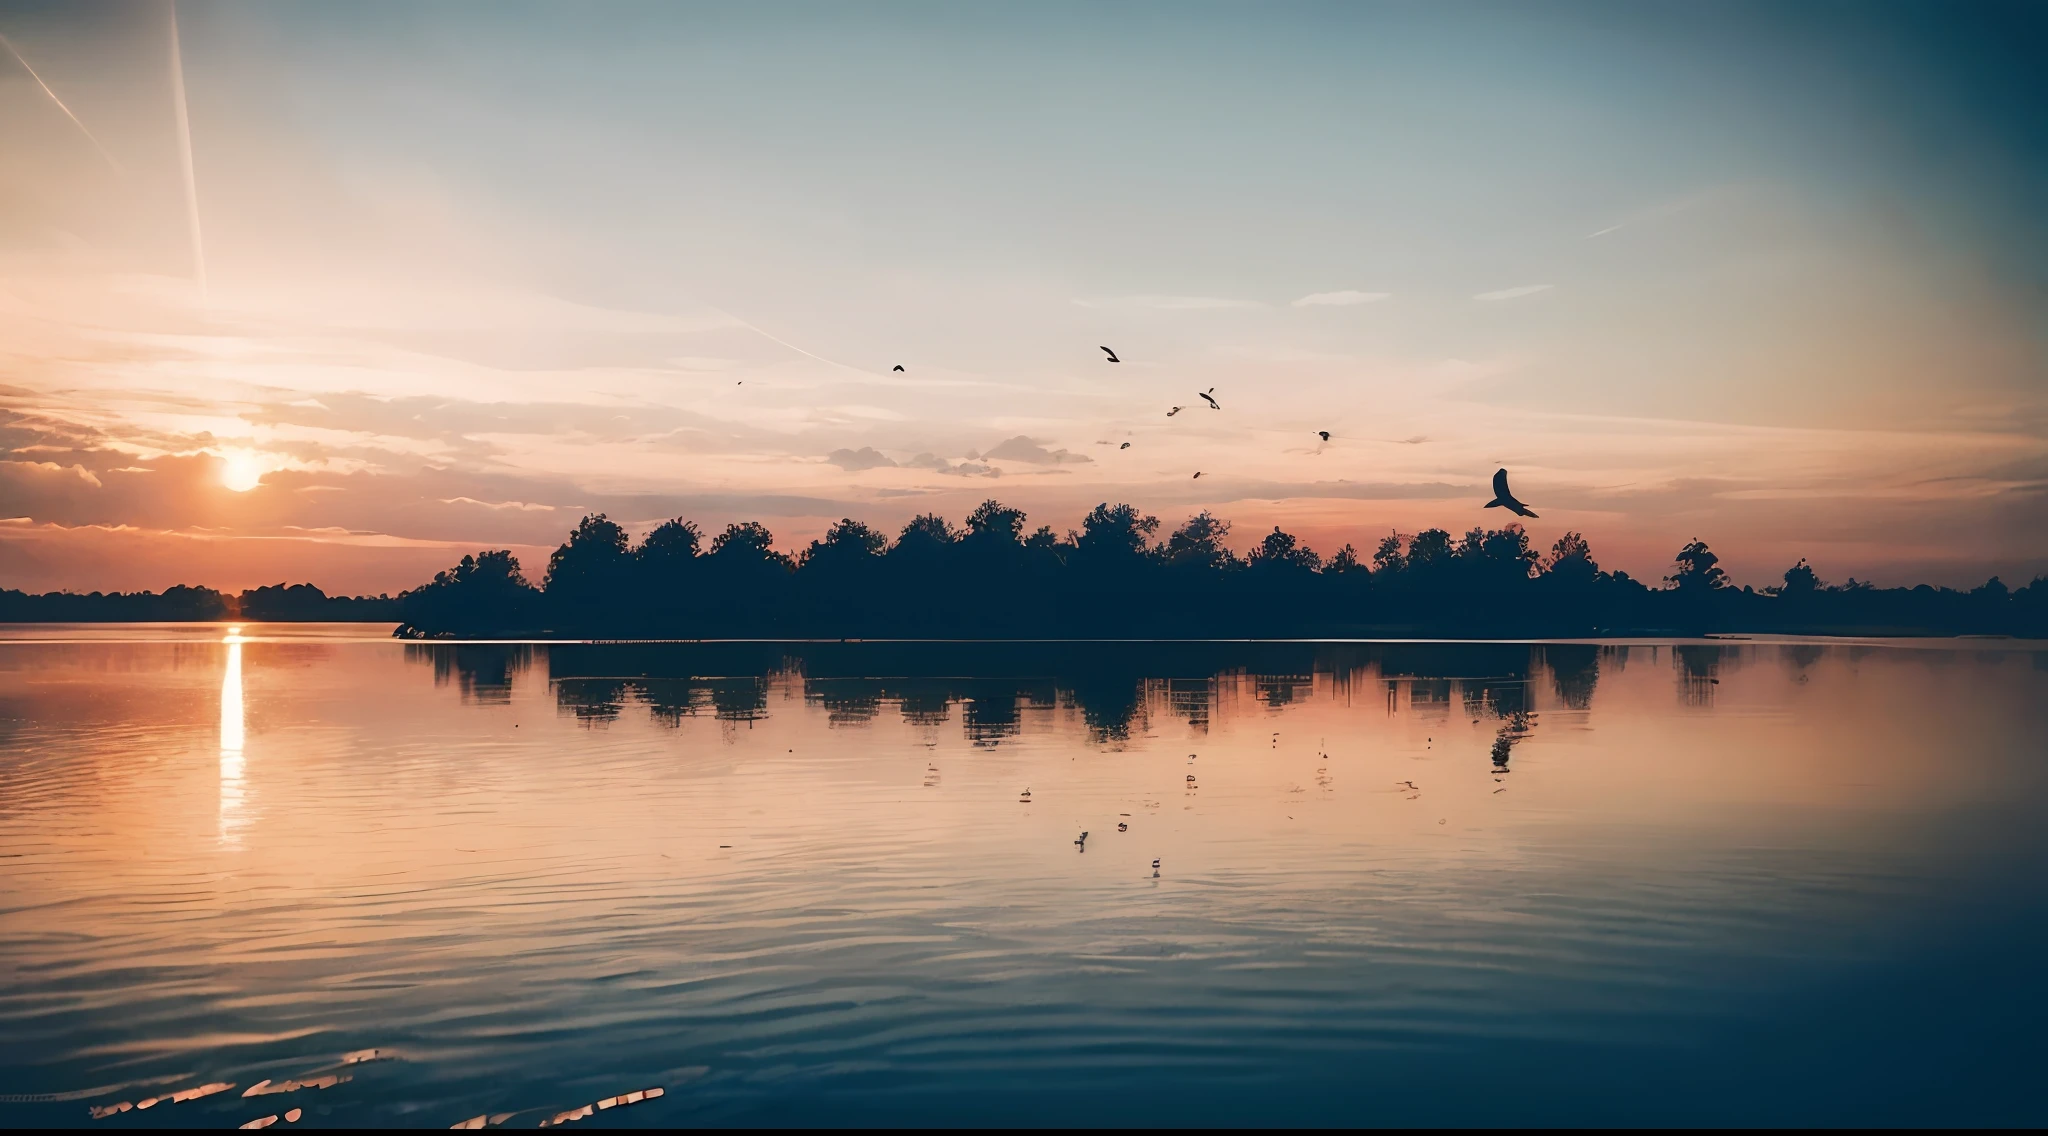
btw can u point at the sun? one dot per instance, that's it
(241, 470)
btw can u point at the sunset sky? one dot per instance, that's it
(1774, 276)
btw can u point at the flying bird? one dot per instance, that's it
(1112, 355)
(1175, 410)
(1210, 399)
(897, 367)
(1198, 473)
(1505, 499)
(1323, 434)
(1125, 446)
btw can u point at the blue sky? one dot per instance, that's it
(1769, 275)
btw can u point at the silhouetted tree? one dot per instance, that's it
(1043, 540)
(1571, 562)
(1496, 559)
(670, 550)
(748, 578)
(1697, 569)
(848, 541)
(840, 577)
(1110, 580)
(1281, 551)
(1801, 580)
(1389, 559)
(1112, 533)
(1198, 544)
(1695, 581)
(993, 521)
(1429, 557)
(589, 574)
(482, 594)
(926, 533)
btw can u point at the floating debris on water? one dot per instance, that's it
(634, 1097)
(266, 1086)
(182, 1095)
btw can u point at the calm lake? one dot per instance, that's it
(1696, 883)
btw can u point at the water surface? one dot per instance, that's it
(1734, 882)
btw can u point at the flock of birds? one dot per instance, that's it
(1502, 497)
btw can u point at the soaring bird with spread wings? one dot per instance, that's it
(1506, 500)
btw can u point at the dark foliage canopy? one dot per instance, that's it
(1117, 577)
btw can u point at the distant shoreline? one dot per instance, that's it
(386, 631)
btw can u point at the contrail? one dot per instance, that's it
(185, 156)
(16, 52)
(785, 342)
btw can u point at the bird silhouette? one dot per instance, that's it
(1198, 473)
(897, 367)
(1125, 446)
(1210, 399)
(1112, 355)
(1175, 410)
(1506, 500)
(1323, 434)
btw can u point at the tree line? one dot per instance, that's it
(186, 604)
(1121, 576)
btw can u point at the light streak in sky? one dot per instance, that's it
(87, 131)
(185, 156)
(784, 342)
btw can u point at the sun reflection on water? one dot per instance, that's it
(232, 790)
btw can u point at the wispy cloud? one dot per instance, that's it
(853, 461)
(1514, 293)
(1023, 449)
(962, 469)
(522, 506)
(1167, 303)
(1343, 299)
(1660, 211)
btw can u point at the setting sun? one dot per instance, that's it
(241, 470)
